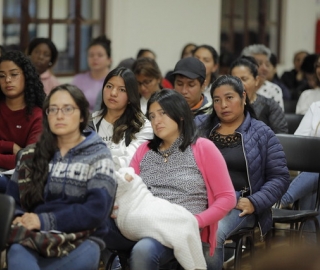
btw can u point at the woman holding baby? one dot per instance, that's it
(186, 170)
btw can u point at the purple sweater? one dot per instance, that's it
(89, 86)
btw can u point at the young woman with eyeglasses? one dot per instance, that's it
(64, 183)
(149, 79)
(21, 99)
(120, 122)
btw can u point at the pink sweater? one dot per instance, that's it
(220, 191)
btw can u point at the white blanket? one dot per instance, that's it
(141, 214)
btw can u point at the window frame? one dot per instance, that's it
(263, 24)
(25, 20)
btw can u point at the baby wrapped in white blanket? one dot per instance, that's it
(141, 214)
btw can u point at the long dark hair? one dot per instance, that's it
(34, 94)
(177, 108)
(47, 145)
(237, 86)
(132, 120)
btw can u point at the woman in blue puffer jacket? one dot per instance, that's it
(254, 156)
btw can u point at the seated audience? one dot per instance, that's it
(21, 100)
(254, 156)
(210, 58)
(120, 122)
(266, 109)
(262, 55)
(295, 78)
(189, 78)
(43, 55)
(180, 157)
(149, 79)
(49, 197)
(307, 97)
(99, 61)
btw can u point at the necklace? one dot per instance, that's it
(165, 154)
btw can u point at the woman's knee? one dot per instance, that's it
(146, 247)
(148, 253)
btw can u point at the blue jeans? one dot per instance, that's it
(3, 183)
(86, 257)
(147, 253)
(226, 226)
(303, 188)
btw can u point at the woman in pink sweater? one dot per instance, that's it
(186, 170)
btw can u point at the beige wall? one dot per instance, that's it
(164, 26)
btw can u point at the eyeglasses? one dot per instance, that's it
(66, 110)
(145, 83)
(12, 77)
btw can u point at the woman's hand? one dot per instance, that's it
(246, 206)
(29, 220)
(115, 208)
(16, 148)
(16, 220)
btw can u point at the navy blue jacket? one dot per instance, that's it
(267, 171)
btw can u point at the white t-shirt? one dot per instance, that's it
(306, 98)
(121, 153)
(310, 123)
(143, 104)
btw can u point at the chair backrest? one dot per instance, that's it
(290, 106)
(7, 207)
(293, 121)
(302, 154)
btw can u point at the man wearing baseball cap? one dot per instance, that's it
(189, 77)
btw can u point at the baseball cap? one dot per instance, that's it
(190, 67)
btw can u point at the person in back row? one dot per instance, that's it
(99, 62)
(266, 109)
(210, 58)
(43, 55)
(149, 79)
(189, 77)
(262, 55)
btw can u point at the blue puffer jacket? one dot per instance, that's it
(267, 171)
